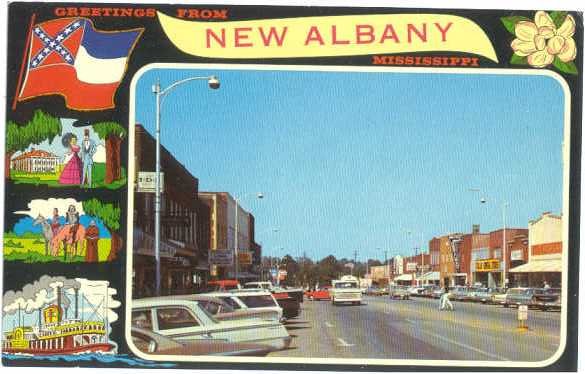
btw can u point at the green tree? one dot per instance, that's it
(291, 266)
(110, 216)
(18, 137)
(113, 134)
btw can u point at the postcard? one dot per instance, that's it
(291, 188)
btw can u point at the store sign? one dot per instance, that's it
(487, 265)
(147, 182)
(282, 274)
(220, 257)
(517, 255)
(244, 257)
(411, 266)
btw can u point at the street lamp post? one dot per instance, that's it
(160, 93)
(260, 195)
(504, 243)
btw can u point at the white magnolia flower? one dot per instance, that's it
(540, 41)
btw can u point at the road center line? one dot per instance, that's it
(328, 324)
(343, 343)
(409, 321)
(468, 347)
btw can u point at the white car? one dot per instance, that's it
(256, 299)
(346, 290)
(186, 320)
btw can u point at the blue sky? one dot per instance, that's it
(355, 161)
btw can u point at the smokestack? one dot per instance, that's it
(76, 302)
(59, 305)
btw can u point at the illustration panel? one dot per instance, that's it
(64, 152)
(64, 230)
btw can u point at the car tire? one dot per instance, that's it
(505, 305)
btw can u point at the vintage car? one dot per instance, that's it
(486, 295)
(319, 294)
(427, 291)
(346, 290)
(251, 300)
(152, 343)
(533, 297)
(373, 291)
(224, 284)
(223, 311)
(499, 298)
(415, 290)
(289, 305)
(460, 293)
(186, 321)
(399, 292)
(296, 293)
(437, 293)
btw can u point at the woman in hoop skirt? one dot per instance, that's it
(71, 173)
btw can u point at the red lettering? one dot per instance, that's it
(220, 14)
(314, 36)
(239, 36)
(219, 40)
(389, 33)
(151, 12)
(181, 13)
(60, 12)
(443, 30)
(421, 35)
(360, 33)
(334, 39)
(84, 12)
(273, 34)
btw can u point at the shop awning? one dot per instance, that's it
(403, 277)
(540, 266)
(430, 276)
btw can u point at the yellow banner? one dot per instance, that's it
(328, 36)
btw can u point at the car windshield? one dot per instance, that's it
(258, 301)
(346, 285)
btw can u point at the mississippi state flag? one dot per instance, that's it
(69, 57)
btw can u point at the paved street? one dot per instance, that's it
(415, 329)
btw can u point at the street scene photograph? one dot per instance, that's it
(294, 213)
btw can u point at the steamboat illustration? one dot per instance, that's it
(50, 331)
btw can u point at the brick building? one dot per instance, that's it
(184, 225)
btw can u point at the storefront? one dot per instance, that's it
(488, 273)
(405, 279)
(430, 278)
(540, 269)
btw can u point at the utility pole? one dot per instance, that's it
(355, 253)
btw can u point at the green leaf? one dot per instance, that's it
(511, 21)
(558, 18)
(518, 60)
(565, 67)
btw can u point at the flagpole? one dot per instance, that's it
(28, 41)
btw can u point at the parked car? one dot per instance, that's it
(373, 291)
(319, 294)
(399, 292)
(533, 297)
(427, 291)
(152, 343)
(187, 321)
(499, 298)
(415, 290)
(460, 293)
(437, 293)
(486, 295)
(258, 300)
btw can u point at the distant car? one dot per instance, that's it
(399, 292)
(427, 291)
(156, 344)
(533, 297)
(415, 290)
(346, 290)
(486, 295)
(437, 293)
(499, 298)
(373, 291)
(186, 321)
(224, 284)
(460, 293)
(319, 294)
